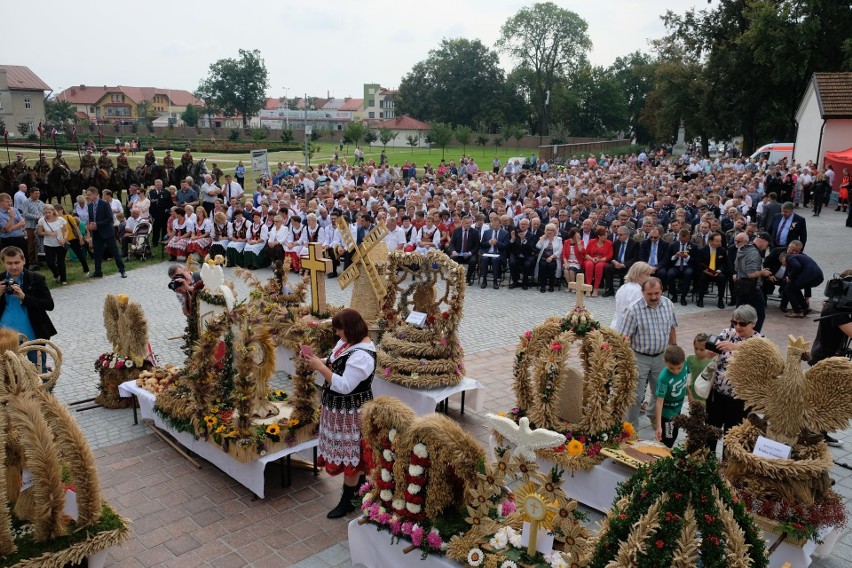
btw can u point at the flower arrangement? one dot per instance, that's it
(799, 520)
(112, 360)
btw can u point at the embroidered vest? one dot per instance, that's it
(361, 394)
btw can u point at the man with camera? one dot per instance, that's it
(184, 284)
(24, 298)
(835, 321)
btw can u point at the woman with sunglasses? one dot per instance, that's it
(723, 409)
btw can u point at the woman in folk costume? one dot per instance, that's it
(220, 234)
(201, 238)
(430, 236)
(277, 236)
(182, 229)
(254, 254)
(347, 384)
(293, 248)
(239, 235)
(313, 233)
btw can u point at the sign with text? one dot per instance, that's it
(417, 319)
(770, 449)
(260, 162)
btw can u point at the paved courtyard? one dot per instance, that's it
(187, 517)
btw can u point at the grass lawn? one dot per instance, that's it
(74, 271)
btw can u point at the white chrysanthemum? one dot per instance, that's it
(413, 488)
(508, 564)
(413, 508)
(499, 540)
(386, 475)
(392, 435)
(388, 455)
(386, 495)
(420, 451)
(475, 557)
(416, 470)
(514, 538)
(368, 498)
(398, 504)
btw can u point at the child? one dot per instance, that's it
(671, 389)
(696, 363)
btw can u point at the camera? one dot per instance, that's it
(176, 282)
(711, 343)
(9, 282)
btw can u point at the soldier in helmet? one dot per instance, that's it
(105, 162)
(20, 165)
(41, 168)
(59, 162)
(150, 160)
(168, 161)
(123, 164)
(87, 165)
(186, 160)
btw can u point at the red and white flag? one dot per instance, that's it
(40, 129)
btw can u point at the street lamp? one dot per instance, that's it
(286, 107)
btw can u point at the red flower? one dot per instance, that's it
(660, 544)
(559, 449)
(445, 315)
(622, 516)
(678, 495)
(708, 518)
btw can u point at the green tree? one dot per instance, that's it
(287, 135)
(460, 82)
(58, 112)
(635, 74)
(370, 137)
(463, 134)
(386, 135)
(354, 132)
(547, 40)
(497, 141)
(601, 108)
(481, 140)
(412, 140)
(440, 134)
(23, 128)
(237, 86)
(190, 116)
(146, 112)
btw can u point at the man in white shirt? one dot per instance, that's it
(231, 189)
(21, 196)
(395, 239)
(209, 192)
(333, 245)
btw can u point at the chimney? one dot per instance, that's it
(82, 87)
(328, 94)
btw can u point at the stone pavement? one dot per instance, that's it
(187, 517)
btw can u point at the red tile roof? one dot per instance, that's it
(403, 122)
(22, 78)
(834, 92)
(352, 104)
(84, 94)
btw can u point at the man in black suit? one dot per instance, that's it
(464, 245)
(492, 252)
(24, 304)
(161, 204)
(802, 272)
(713, 269)
(788, 226)
(522, 254)
(683, 259)
(655, 252)
(625, 251)
(101, 228)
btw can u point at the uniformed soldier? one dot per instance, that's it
(105, 162)
(87, 165)
(123, 164)
(20, 165)
(59, 162)
(216, 173)
(168, 161)
(186, 160)
(42, 168)
(150, 158)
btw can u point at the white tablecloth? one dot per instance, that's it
(250, 475)
(801, 556)
(423, 401)
(373, 549)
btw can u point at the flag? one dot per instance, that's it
(40, 129)
(6, 135)
(74, 133)
(53, 133)
(100, 135)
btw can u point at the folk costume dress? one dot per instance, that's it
(235, 247)
(315, 235)
(341, 448)
(295, 253)
(203, 240)
(277, 237)
(254, 255)
(180, 241)
(221, 237)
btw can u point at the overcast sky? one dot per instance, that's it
(316, 47)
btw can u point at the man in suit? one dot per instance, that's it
(522, 254)
(713, 269)
(654, 251)
(625, 252)
(101, 228)
(25, 303)
(788, 226)
(683, 259)
(492, 252)
(802, 272)
(463, 246)
(770, 209)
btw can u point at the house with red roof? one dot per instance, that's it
(124, 103)
(406, 128)
(22, 95)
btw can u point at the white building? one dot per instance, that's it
(824, 117)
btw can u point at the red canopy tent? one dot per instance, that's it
(838, 160)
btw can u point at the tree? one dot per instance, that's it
(146, 112)
(440, 135)
(287, 135)
(23, 128)
(497, 141)
(318, 133)
(547, 40)
(354, 132)
(412, 140)
(600, 106)
(190, 116)
(635, 76)
(463, 134)
(386, 135)
(370, 137)
(237, 86)
(58, 112)
(460, 82)
(481, 140)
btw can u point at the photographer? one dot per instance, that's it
(723, 408)
(835, 321)
(184, 284)
(24, 298)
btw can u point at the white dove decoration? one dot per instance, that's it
(525, 439)
(214, 281)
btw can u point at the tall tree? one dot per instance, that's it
(237, 86)
(58, 112)
(548, 40)
(190, 116)
(463, 134)
(386, 135)
(601, 108)
(146, 112)
(355, 131)
(635, 75)
(460, 82)
(440, 135)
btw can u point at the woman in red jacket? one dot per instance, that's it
(598, 255)
(573, 255)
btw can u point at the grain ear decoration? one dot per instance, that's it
(7, 544)
(380, 416)
(135, 334)
(111, 320)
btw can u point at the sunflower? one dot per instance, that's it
(575, 448)
(273, 429)
(210, 421)
(628, 428)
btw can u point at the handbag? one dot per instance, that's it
(704, 382)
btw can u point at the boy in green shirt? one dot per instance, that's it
(671, 390)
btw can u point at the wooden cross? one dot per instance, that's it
(318, 265)
(366, 254)
(699, 434)
(580, 287)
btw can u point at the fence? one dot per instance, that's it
(552, 151)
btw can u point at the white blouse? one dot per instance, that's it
(359, 366)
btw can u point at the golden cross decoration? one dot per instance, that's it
(318, 265)
(362, 259)
(580, 287)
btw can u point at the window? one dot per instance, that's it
(91, 109)
(32, 128)
(116, 98)
(372, 115)
(381, 115)
(371, 103)
(28, 103)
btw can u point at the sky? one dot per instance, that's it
(320, 47)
